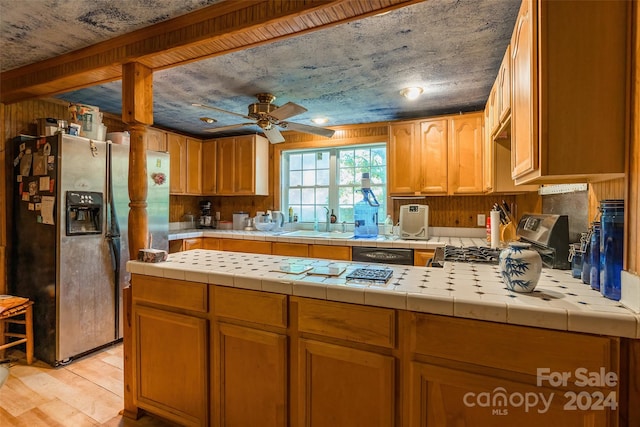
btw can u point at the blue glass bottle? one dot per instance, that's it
(586, 258)
(594, 257)
(611, 247)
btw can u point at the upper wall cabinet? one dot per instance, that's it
(186, 165)
(570, 89)
(156, 140)
(242, 166)
(436, 157)
(209, 167)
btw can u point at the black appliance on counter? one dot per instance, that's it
(549, 235)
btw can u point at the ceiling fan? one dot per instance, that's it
(269, 117)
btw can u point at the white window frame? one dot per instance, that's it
(381, 189)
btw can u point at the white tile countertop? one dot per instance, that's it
(380, 241)
(466, 290)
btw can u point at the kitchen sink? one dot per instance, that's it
(310, 234)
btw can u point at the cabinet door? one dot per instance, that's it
(290, 249)
(504, 86)
(192, 243)
(244, 167)
(170, 351)
(250, 376)
(209, 169)
(465, 154)
(443, 397)
(404, 160)
(211, 243)
(194, 166)
(487, 152)
(524, 138)
(433, 156)
(246, 246)
(420, 258)
(156, 140)
(225, 168)
(339, 385)
(178, 154)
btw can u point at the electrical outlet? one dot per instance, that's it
(482, 220)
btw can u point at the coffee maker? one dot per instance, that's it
(205, 220)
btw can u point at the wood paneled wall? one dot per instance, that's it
(613, 189)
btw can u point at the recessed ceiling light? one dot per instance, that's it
(208, 120)
(320, 120)
(411, 93)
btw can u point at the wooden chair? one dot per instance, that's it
(16, 310)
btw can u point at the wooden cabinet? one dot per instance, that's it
(465, 154)
(342, 253)
(338, 383)
(211, 243)
(568, 117)
(290, 249)
(247, 246)
(209, 167)
(249, 378)
(420, 258)
(503, 84)
(186, 164)
(434, 157)
(451, 372)
(242, 166)
(177, 147)
(192, 243)
(156, 140)
(170, 349)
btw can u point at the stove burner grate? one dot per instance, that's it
(472, 254)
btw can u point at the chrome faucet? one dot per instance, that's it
(328, 223)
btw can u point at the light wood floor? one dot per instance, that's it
(87, 392)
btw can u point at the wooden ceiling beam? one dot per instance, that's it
(215, 30)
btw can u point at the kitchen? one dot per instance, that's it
(600, 190)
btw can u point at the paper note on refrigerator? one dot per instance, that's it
(47, 209)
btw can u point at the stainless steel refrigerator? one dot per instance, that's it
(69, 238)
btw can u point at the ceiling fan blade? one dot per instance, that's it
(273, 135)
(222, 111)
(229, 127)
(287, 110)
(315, 130)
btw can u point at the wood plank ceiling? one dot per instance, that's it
(221, 28)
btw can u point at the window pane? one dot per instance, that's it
(295, 178)
(377, 175)
(345, 213)
(347, 177)
(295, 161)
(347, 158)
(294, 196)
(322, 160)
(308, 161)
(309, 178)
(346, 195)
(322, 196)
(307, 214)
(362, 158)
(308, 196)
(323, 177)
(378, 156)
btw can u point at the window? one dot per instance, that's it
(313, 180)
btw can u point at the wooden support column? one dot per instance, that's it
(137, 113)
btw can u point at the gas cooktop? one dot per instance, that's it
(479, 254)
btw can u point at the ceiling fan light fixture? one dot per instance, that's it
(320, 120)
(208, 120)
(411, 93)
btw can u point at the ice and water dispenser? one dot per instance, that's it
(84, 212)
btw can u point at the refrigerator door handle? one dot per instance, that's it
(114, 245)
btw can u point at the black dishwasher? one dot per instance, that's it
(382, 255)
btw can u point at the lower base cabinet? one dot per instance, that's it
(171, 365)
(222, 356)
(342, 386)
(250, 378)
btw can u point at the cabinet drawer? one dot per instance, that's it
(290, 249)
(249, 246)
(509, 347)
(251, 306)
(350, 322)
(173, 293)
(210, 243)
(342, 253)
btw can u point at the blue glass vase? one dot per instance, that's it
(611, 247)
